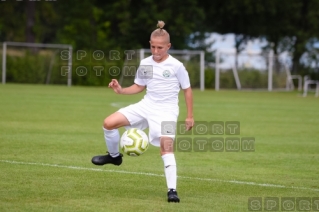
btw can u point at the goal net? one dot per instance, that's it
(251, 70)
(36, 63)
(192, 60)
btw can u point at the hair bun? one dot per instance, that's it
(160, 24)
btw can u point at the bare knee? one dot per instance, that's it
(108, 124)
(166, 145)
(115, 121)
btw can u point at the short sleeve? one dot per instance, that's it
(139, 76)
(182, 76)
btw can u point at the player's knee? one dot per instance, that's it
(167, 146)
(166, 150)
(108, 125)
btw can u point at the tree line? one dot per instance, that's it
(286, 25)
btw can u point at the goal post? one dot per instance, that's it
(250, 69)
(35, 45)
(185, 56)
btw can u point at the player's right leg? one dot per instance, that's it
(112, 137)
(115, 120)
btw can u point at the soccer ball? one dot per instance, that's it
(134, 142)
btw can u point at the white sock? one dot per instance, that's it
(170, 170)
(112, 138)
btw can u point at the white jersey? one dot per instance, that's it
(162, 80)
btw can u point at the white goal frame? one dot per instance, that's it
(40, 45)
(233, 51)
(186, 52)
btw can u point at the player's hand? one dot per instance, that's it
(189, 122)
(114, 84)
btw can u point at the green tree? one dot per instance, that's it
(286, 24)
(305, 27)
(12, 21)
(131, 23)
(28, 21)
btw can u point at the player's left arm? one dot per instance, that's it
(182, 76)
(188, 94)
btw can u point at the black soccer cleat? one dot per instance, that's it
(172, 196)
(101, 160)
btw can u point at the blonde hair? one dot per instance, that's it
(160, 31)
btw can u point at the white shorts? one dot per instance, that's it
(142, 116)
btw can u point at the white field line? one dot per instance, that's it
(161, 175)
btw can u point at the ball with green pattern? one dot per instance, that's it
(134, 142)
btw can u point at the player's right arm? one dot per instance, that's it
(133, 89)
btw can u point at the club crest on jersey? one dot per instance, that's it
(166, 73)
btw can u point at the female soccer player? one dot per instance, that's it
(162, 75)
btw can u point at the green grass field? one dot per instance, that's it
(48, 135)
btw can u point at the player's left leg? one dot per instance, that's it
(162, 126)
(167, 153)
